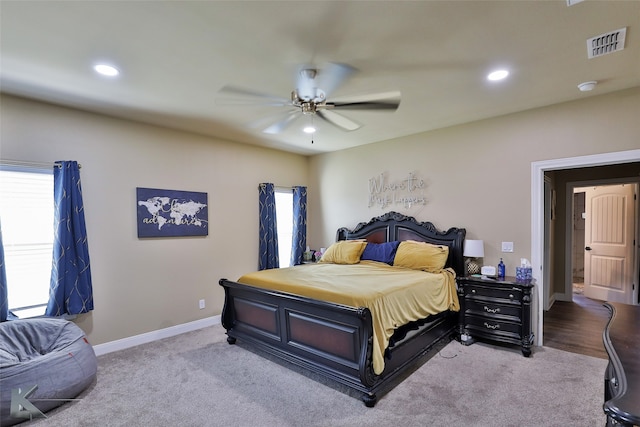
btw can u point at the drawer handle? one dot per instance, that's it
(496, 326)
(494, 310)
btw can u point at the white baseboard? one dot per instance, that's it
(563, 297)
(135, 340)
(552, 299)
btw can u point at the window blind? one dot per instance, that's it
(26, 217)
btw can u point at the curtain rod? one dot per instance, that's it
(43, 165)
(278, 187)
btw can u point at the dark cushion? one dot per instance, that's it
(381, 252)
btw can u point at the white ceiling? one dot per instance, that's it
(174, 57)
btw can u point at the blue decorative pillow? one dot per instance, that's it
(381, 252)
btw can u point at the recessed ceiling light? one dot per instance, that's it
(497, 75)
(106, 70)
(309, 129)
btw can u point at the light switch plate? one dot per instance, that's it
(507, 246)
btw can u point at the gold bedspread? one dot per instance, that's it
(394, 295)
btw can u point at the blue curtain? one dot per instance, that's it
(268, 245)
(299, 240)
(71, 290)
(4, 296)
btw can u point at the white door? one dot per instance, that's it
(609, 243)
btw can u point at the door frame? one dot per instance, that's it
(547, 298)
(537, 217)
(568, 249)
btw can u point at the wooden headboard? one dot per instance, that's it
(394, 226)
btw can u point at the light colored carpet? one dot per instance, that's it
(197, 379)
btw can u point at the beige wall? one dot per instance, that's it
(478, 175)
(146, 285)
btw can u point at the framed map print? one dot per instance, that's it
(171, 213)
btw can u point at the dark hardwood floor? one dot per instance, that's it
(576, 326)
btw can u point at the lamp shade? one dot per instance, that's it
(473, 248)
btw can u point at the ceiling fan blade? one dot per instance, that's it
(333, 76)
(282, 124)
(234, 95)
(266, 121)
(338, 120)
(378, 101)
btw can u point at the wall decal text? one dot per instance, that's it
(408, 191)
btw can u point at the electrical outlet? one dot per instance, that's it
(201, 304)
(507, 246)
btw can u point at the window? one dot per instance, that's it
(26, 212)
(284, 215)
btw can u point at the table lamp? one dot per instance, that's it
(473, 249)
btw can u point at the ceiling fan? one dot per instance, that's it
(310, 97)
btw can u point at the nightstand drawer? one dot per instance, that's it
(492, 326)
(491, 308)
(508, 294)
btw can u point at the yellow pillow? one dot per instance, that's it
(344, 252)
(421, 256)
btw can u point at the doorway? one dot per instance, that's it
(604, 229)
(538, 170)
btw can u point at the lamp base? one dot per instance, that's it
(472, 268)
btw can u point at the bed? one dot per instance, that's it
(334, 336)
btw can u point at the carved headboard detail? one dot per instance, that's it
(394, 226)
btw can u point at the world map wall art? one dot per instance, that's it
(171, 213)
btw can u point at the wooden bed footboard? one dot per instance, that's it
(332, 340)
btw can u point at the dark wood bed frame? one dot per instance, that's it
(333, 340)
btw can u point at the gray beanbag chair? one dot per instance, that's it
(52, 354)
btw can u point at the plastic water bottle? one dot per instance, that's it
(501, 268)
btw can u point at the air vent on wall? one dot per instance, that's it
(606, 43)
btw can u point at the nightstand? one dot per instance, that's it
(496, 309)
